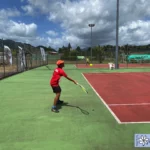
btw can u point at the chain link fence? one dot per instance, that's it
(97, 57)
(20, 59)
(137, 59)
(24, 57)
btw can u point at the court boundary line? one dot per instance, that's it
(102, 73)
(75, 66)
(113, 114)
(132, 104)
(107, 106)
(142, 122)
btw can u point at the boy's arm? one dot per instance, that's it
(71, 80)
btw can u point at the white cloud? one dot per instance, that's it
(5, 13)
(74, 17)
(22, 30)
(135, 32)
(15, 30)
(52, 33)
(28, 9)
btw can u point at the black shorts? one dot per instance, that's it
(56, 89)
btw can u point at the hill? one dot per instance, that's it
(28, 47)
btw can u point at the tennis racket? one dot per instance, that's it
(83, 88)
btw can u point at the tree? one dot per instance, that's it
(78, 49)
(126, 50)
(60, 50)
(69, 47)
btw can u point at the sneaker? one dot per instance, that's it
(55, 110)
(60, 102)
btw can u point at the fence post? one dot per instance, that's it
(17, 61)
(3, 58)
(47, 58)
(31, 60)
(36, 59)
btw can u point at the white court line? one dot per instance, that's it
(133, 104)
(135, 122)
(75, 66)
(117, 119)
(113, 114)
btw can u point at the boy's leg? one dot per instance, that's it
(56, 98)
(54, 109)
(57, 91)
(60, 101)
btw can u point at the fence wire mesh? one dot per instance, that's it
(20, 59)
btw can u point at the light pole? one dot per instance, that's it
(117, 22)
(91, 25)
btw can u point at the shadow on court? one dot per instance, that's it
(66, 104)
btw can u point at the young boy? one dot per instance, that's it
(54, 82)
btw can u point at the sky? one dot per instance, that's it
(57, 23)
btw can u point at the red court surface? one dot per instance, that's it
(106, 66)
(126, 95)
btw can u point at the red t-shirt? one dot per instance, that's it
(57, 74)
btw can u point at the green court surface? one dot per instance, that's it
(27, 123)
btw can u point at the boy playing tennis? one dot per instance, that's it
(54, 82)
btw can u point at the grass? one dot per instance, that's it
(26, 122)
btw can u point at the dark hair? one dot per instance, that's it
(61, 65)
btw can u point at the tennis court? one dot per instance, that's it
(84, 122)
(126, 95)
(145, 65)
